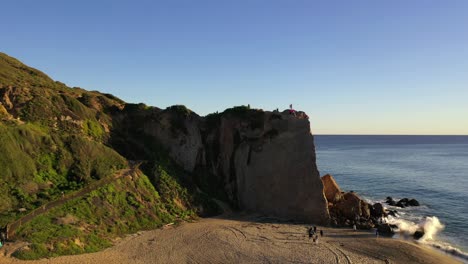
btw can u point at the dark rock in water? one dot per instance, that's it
(378, 210)
(385, 229)
(392, 213)
(418, 234)
(401, 204)
(390, 201)
(404, 200)
(413, 202)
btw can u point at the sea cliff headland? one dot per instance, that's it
(64, 155)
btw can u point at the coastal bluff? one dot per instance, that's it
(260, 161)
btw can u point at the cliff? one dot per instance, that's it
(256, 160)
(55, 139)
(266, 161)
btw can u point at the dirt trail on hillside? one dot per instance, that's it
(82, 192)
(252, 240)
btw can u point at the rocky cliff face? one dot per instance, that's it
(259, 161)
(263, 161)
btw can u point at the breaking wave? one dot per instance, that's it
(431, 226)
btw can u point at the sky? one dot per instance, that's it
(356, 67)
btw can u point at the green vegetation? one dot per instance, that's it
(179, 115)
(181, 110)
(55, 140)
(38, 166)
(91, 223)
(93, 129)
(255, 117)
(13, 72)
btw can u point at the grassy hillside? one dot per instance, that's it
(56, 140)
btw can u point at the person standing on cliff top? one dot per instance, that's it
(290, 107)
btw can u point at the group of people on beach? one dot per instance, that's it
(313, 234)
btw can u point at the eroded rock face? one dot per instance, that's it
(262, 162)
(280, 177)
(267, 162)
(179, 135)
(348, 209)
(331, 189)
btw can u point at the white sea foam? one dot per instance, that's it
(431, 225)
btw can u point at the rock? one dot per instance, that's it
(282, 179)
(385, 229)
(365, 210)
(400, 204)
(390, 201)
(263, 162)
(349, 206)
(392, 213)
(378, 210)
(418, 234)
(404, 200)
(365, 225)
(331, 189)
(413, 202)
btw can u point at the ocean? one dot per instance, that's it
(431, 169)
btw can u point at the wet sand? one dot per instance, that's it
(250, 239)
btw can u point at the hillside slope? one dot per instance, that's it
(55, 140)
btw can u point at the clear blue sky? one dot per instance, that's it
(356, 67)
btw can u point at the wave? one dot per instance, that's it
(431, 226)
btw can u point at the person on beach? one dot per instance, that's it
(311, 233)
(315, 229)
(3, 236)
(313, 239)
(376, 232)
(354, 227)
(321, 233)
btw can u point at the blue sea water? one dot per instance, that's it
(431, 169)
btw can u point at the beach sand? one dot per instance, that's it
(251, 239)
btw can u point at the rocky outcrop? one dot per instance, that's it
(259, 161)
(347, 209)
(331, 189)
(267, 163)
(404, 202)
(179, 134)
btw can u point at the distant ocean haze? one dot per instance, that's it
(431, 169)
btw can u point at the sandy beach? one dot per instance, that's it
(250, 239)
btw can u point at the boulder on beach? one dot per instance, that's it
(378, 210)
(331, 189)
(385, 229)
(418, 234)
(350, 206)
